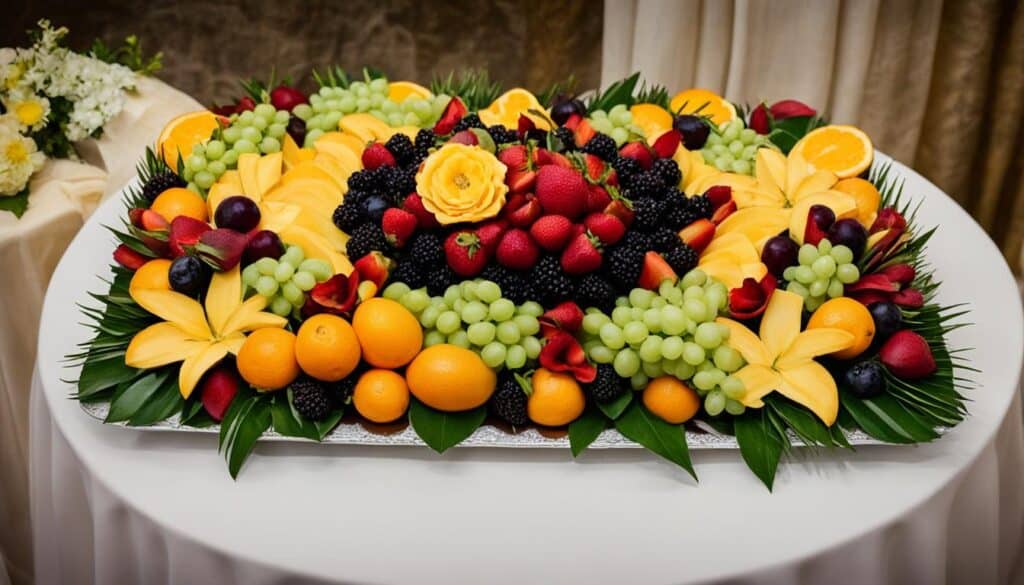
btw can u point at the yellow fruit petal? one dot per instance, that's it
(316, 246)
(248, 172)
(269, 171)
(817, 182)
(811, 385)
(744, 341)
(758, 382)
(781, 322)
(176, 308)
(651, 118)
(234, 342)
(770, 168)
(733, 246)
(193, 368)
(813, 343)
(875, 238)
(754, 224)
(233, 179)
(223, 297)
(159, 345)
(724, 270)
(250, 316)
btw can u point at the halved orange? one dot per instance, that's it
(507, 108)
(651, 118)
(184, 132)
(399, 91)
(703, 102)
(845, 150)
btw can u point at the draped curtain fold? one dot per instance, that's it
(938, 85)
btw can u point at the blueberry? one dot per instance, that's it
(375, 206)
(888, 319)
(189, 275)
(865, 379)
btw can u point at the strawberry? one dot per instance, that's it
(719, 215)
(520, 175)
(376, 155)
(583, 133)
(607, 228)
(566, 316)
(129, 258)
(522, 210)
(185, 232)
(906, 354)
(517, 250)
(759, 119)
(563, 353)
(622, 209)
(398, 225)
(552, 232)
(698, 234)
(490, 234)
(221, 248)
(464, 137)
(338, 294)
(453, 112)
(582, 255)
(561, 191)
(593, 167)
(719, 195)
(414, 205)
(639, 152)
(597, 198)
(573, 122)
(148, 220)
(284, 97)
(374, 267)
(559, 160)
(464, 253)
(667, 144)
(245, 104)
(218, 390)
(655, 271)
(525, 125)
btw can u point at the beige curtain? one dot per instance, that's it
(938, 85)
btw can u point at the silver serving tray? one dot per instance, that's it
(354, 433)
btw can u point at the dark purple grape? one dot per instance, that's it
(375, 206)
(865, 379)
(238, 213)
(189, 275)
(695, 130)
(262, 244)
(848, 232)
(779, 253)
(888, 319)
(566, 106)
(297, 129)
(822, 216)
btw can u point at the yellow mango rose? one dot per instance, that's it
(460, 183)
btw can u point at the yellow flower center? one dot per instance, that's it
(29, 113)
(16, 152)
(461, 181)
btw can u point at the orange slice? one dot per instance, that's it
(651, 118)
(399, 91)
(705, 103)
(844, 150)
(509, 106)
(184, 132)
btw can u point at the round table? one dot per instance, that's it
(123, 505)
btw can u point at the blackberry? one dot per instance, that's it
(410, 273)
(623, 263)
(681, 258)
(401, 147)
(509, 400)
(668, 170)
(647, 185)
(356, 196)
(439, 279)
(425, 139)
(567, 138)
(700, 206)
(647, 214)
(341, 391)
(594, 291)
(513, 286)
(348, 216)
(637, 240)
(502, 135)
(161, 182)
(395, 183)
(626, 168)
(419, 155)
(664, 239)
(365, 239)
(678, 215)
(311, 398)
(468, 121)
(365, 181)
(425, 250)
(607, 386)
(552, 284)
(603, 146)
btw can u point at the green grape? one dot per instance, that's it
(304, 281)
(807, 255)
(531, 308)
(503, 310)
(601, 354)
(842, 254)
(266, 286)
(634, 332)
(434, 338)
(622, 315)
(708, 335)
(747, 136)
(804, 275)
(474, 312)
(693, 292)
(204, 179)
(452, 294)
(250, 274)
(527, 324)
(460, 339)
(488, 291)
(835, 288)
(532, 346)
(264, 111)
(695, 277)
(693, 354)
(695, 310)
(416, 300)
(652, 369)
(395, 290)
(727, 359)
(468, 289)
(515, 357)
(292, 293)
(797, 288)
(650, 349)
(280, 306)
(636, 314)
(714, 403)
(732, 387)
(672, 347)
(734, 407)
(493, 354)
(652, 319)
(673, 319)
(626, 363)
(611, 335)
(641, 297)
(284, 271)
(230, 158)
(789, 273)
(508, 333)
(428, 318)
(293, 255)
(448, 322)
(704, 381)
(231, 134)
(683, 371)
(320, 269)
(824, 267)
(812, 303)
(266, 266)
(592, 322)
(458, 305)
(270, 145)
(481, 333)
(818, 288)
(639, 381)
(847, 273)
(216, 168)
(658, 302)
(824, 246)
(716, 299)
(215, 149)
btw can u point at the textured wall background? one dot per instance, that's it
(209, 45)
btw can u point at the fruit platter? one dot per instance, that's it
(381, 262)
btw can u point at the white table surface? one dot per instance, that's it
(399, 515)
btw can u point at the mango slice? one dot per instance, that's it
(315, 246)
(758, 382)
(813, 343)
(744, 341)
(158, 345)
(176, 308)
(812, 386)
(781, 321)
(195, 365)
(223, 297)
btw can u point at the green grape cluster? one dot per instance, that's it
(617, 123)
(329, 104)
(671, 332)
(822, 273)
(474, 315)
(285, 281)
(733, 148)
(260, 130)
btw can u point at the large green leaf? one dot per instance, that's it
(130, 397)
(246, 420)
(16, 204)
(760, 444)
(615, 408)
(164, 403)
(640, 426)
(585, 429)
(289, 422)
(99, 375)
(803, 422)
(886, 419)
(443, 430)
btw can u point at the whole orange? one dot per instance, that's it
(556, 399)
(152, 275)
(849, 315)
(327, 348)
(671, 400)
(390, 336)
(180, 201)
(450, 378)
(381, 396)
(267, 359)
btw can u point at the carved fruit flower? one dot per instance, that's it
(461, 183)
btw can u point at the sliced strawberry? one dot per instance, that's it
(376, 156)
(597, 198)
(562, 353)
(751, 298)
(522, 210)
(583, 132)
(337, 295)
(129, 258)
(374, 267)
(698, 234)
(221, 248)
(622, 209)
(902, 274)
(719, 195)
(520, 174)
(655, 271)
(184, 234)
(639, 152)
(465, 137)
(453, 112)
(667, 144)
(719, 215)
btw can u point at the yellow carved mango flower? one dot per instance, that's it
(197, 336)
(781, 357)
(462, 183)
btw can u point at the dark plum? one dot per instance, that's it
(189, 275)
(262, 244)
(779, 253)
(695, 130)
(297, 129)
(375, 206)
(238, 213)
(865, 379)
(566, 106)
(848, 232)
(888, 319)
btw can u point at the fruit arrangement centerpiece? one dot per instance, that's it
(384, 254)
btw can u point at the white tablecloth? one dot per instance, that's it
(115, 505)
